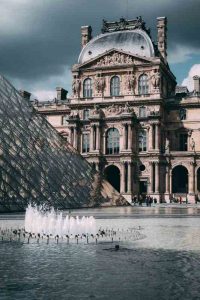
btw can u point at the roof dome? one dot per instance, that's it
(136, 42)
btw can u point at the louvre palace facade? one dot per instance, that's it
(126, 114)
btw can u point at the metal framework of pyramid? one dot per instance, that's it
(36, 164)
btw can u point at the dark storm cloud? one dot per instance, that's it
(40, 38)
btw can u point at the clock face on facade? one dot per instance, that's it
(182, 114)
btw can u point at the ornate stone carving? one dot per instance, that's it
(155, 80)
(74, 115)
(118, 109)
(96, 111)
(127, 108)
(114, 110)
(167, 146)
(192, 145)
(190, 132)
(115, 59)
(76, 86)
(124, 24)
(130, 82)
(99, 83)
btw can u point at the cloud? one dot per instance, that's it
(40, 40)
(188, 81)
(181, 54)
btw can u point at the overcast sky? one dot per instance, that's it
(40, 39)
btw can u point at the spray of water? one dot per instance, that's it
(38, 221)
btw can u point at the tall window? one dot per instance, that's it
(115, 86)
(112, 141)
(85, 142)
(142, 140)
(86, 114)
(142, 112)
(183, 142)
(143, 85)
(87, 88)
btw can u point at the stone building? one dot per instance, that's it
(127, 116)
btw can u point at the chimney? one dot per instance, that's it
(162, 36)
(61, 93)
(196, 83)
(86, 35)
(26, 95)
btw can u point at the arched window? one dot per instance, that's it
(112, 141)
(87, 88)
(142, 141)
(142, 112)
(143, 85)
(115, 86)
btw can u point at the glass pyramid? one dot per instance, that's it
(37, 164)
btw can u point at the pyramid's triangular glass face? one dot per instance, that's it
(36, 163)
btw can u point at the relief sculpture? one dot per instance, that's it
(115, 59)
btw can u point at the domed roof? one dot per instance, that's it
(136, 42)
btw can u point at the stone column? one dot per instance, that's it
(156, 136)
(170, 181)
(92, 138)
(151, 177)
(129, 178)
(167, 180)
(71, 136)
(191, 179)
(75, 138)
(157, 177)
(104, 143)
(97, 137)
(124, 136)
(134, 139)
(151, 137)
(129, 137)
(122, 178)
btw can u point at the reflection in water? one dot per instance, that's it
(164, 265)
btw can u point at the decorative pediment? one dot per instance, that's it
(114, 58)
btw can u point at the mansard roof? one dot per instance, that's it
(136, 42)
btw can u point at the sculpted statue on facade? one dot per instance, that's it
(76, 85)
(96, 110)
(127, 108)
(192, 144)
(130, 82)
(155, 80)
(99, 84)
(167, 145)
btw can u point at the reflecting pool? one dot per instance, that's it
(164, 264)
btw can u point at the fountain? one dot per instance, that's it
(44, 226)
(38, 221)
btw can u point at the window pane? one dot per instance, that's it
(142, 112)
(115, 86)
(87, 88)
(142, 141)
(85, 142)
(143, 85)
(112, 141)
(86, 114)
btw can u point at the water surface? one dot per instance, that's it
(163, 265)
